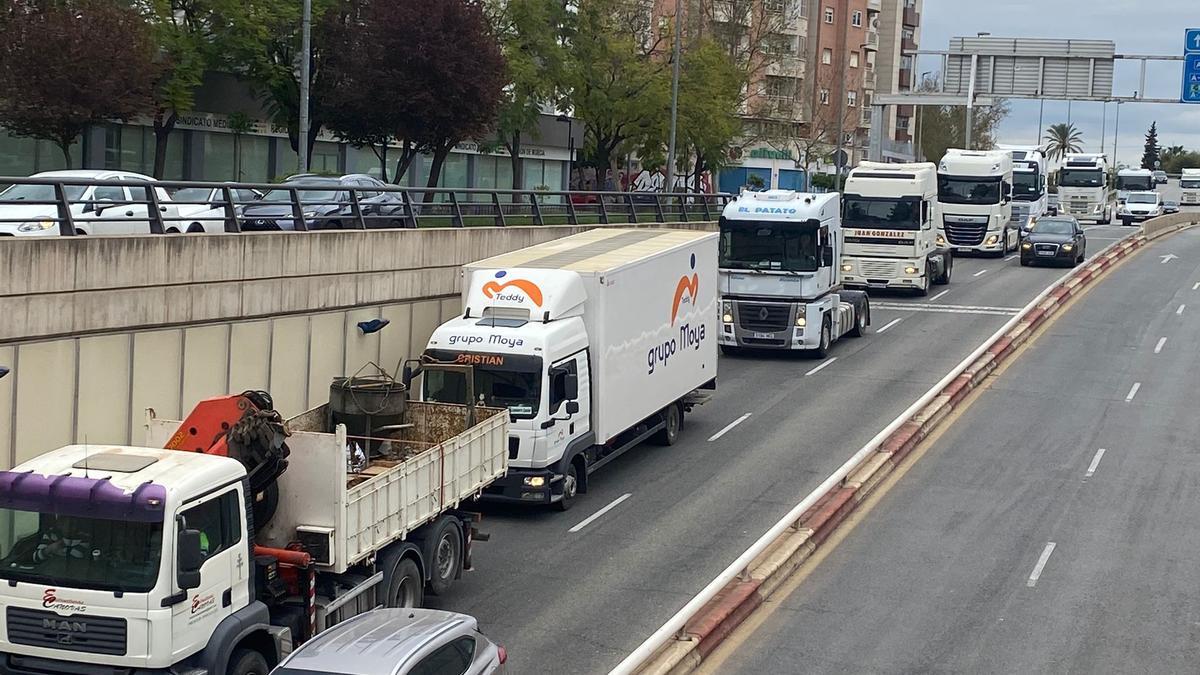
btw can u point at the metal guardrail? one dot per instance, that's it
(76, 210)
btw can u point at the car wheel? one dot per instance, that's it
(447, 557)
(570, 488)
(673, 422)
(247, 662)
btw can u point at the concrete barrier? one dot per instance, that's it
(1157, 227)
(715, 621)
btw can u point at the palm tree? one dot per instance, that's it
(1063, 139)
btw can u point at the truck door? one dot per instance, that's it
(223, 588)
(561, 372)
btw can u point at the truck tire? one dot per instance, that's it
(862, 315)
(729, 350)
(923, 289)
(446, 561)
(673, 423)
(405, 587)
(248, 662)
(947, 269)
(822, 349)
(570, 488)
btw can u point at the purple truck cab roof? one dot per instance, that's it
(81, 497)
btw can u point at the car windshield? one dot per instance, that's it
(903, 213)
(39, 193)
(79, 552)
(1142, 199)
(1051, 226)
(507, 382)
(782, 247)
(1081, 178)
(193, 195)
(309, 195)
(1135, 182)
(1026, 186)
(967, 190)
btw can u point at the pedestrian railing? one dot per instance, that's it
(71, 207)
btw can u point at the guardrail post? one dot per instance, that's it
(66, 224)
(658, 208)
(683, 217)
(632, 208)
(410, 216)
(232, 222)
(499, 210)
(707, 213)
(356, 210)
(537, 209)
(297, 211)
(572, 218)
(603, 212)
(456, 217)
(155, 211)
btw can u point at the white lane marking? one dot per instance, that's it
(1158, 347)
(729, 427)
(926, 305)
(950, 310)
(1180, 310)
(1010, 257)
(1133, 391)
(1041, 564)
(823, 364)
(587, 521)
(888, 325)
(934, 298)
(979, 273)
(1095, 463)
(1196, 286)
(1168, 258)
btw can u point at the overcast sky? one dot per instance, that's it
(1136, 26)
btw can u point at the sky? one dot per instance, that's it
(1151, 27)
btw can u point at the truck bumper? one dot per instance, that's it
(14, 664)
(881, 273)
(733, 335)
(526, 486)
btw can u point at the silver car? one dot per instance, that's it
(398, 642)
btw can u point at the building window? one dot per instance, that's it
(803, 9)
(824, 97)
(849, 138)
(902, 123)
(827, 56)
(906, 62)
(867, 98)
(779, 87)
(907, 33)
(853, 59)
(828, 15)
(779, 44)
(775, 6)
(852, 98)
(856, 19)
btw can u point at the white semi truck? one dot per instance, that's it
(1134, 180)
(1031, 189)
(888, 228)
(781, 274)
(1083, 188)
(1189, 185)
(975, 202)
(594, 343)
(174, 559)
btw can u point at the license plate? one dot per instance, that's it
(764, 336)
(1045, 252)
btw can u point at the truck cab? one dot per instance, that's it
(975, 202)
(1031, 188)
(1134, 180)
(888, 226)
(1083, 188)
(1189, 185)
(781, 274)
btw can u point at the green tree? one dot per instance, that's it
(1151, 154)
(944, 127)
(710, 86)
(1063, 139)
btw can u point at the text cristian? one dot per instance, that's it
(501, 340)
(689, 336)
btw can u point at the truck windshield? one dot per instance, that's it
(1143, 199)
(1026, 186)
(1135, 182)
(79, 552)
(1193, 184)
(501, 381)
(783, 247)
(1081, 178)
(969, 190)
(902, 213)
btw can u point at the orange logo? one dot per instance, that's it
(493, 289)
(689, 285)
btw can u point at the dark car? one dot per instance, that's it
(1057, 239)
(326, 204)
(1160, 178)
(1170, 206)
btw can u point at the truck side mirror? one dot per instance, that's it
(571, 385)
(572, 407)
(191, 558)
(406, 377)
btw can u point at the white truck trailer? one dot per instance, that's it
(151, 561)
(1134, 180)
(1083, 188)
(975, 202)
(1031, 188)
(594, 343)
(888, 216)
(1189, 185)
(781, 274)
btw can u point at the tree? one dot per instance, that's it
(70, 64)
(1151, 155)
(710, 86)
(1063, 139)
(944, 127)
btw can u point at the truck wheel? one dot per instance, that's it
(860, 321)
(923, 289)
(728, 350)
(570, 488)
(405, 587)
(673, 422)
(447, 557)
(826, 338)
(947, 268)
(248, 662)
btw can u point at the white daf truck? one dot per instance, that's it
(594, 343)
(1083, 188)
(1189, 185)
(975, 202)
(888, 228)
(781, 274)
(1031, 189)
(150, 560)
(1134, 180)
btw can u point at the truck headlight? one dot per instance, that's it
(801, 322)
(910, 270)
(36, 226)
(727, 312)
(993, 239)
(941, 241)
(534, 481)
(847, 267)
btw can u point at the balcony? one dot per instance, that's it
(905, 79)
(874, 5)
(872, 43)
(786, 66)
(908, 45)
(869, 78)
(911, 16)
(866, 117)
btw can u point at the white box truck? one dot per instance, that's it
(594, 343)
(168, 560)
(975, 202)
(1083, 188)
(888, 216)
(1189, 186)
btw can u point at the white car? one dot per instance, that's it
(204, 210)
(94, 209)
(1140, 206)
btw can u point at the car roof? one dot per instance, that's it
(377, 642)
(95, 174)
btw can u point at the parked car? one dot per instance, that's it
(1140, 206)
(1052, 204)
(203, 208)
(398, 642)
(1160, 178)
(326, 204)
(103, 209)
(1056, 239)
(1170, 206)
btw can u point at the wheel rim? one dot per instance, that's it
(405, 597)
(673, 422)
(445, 557)
(570, 484)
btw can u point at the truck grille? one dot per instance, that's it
(878, 269)
(77, 633)
(965, 234)
(763, 318)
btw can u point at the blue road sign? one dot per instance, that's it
(1191, 40)
(1191, 78)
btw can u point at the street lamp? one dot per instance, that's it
(570, 146)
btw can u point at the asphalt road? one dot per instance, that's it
(578, 602)
(1050, 529)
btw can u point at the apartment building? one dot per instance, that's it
(899, 32)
